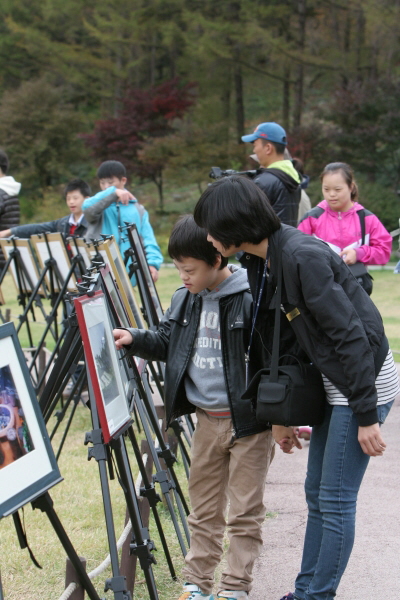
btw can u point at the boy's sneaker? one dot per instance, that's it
(191, 591)
(288, 596)
(232, 595)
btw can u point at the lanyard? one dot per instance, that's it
(256, 306)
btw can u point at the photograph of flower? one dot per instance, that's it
(15, 439)
(28, 467)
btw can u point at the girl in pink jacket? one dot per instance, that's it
(336, 220)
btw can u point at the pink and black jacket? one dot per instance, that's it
(343, 229)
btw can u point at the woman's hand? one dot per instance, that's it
(349, 256)
(286, 438)
(122, 337)
(371, 440)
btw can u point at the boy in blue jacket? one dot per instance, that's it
(113, 207)
(203, 338)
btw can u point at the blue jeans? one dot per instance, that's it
(336, 467)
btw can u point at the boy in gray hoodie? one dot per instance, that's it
(203, 338)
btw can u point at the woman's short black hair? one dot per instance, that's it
(235, 211)
(188, 240)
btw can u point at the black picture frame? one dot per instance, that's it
(147, 289)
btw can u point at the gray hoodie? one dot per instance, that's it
(205, 381)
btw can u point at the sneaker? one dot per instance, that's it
(288, 596)
(232, 595)
(191, 591)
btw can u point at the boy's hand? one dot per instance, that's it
(122, 338)
(5, 233)
(153, 272)
(286, 438)
(124, 196)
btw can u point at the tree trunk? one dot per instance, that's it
(360, 42)
(286, 98)
(299, 84)
(226, 108)
(238, 83)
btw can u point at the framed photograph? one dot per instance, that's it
(122, 317)
(147, 289)
(112, 289)
(102, 364)
(28, 264)
(79, 246)
(54, 246)
(111, 255)
(28, 467)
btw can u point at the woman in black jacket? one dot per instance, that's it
(340, 330)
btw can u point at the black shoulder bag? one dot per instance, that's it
(359, 270)
(287, 394)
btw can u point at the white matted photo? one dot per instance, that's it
(27, 464)
(79, 246)
(111, 255)
(55, 246)
(28, 263)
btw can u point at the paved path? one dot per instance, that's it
(373, 572)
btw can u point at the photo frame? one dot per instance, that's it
(123, 319)
(111, 255)
(110, 285)
(28, 467)
(23, 246)
(55, 242)
(102, 363)
(147, 289)
(79, 246)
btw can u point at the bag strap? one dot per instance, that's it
(361, 216)
(277, 328)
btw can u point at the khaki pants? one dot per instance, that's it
(225, 470)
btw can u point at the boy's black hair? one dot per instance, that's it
(188, 240)
(4, 162)
(80, 185)
(235, 211)
(111, 168)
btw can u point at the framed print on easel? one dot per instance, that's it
(79, 246)
(102, 363)
(122, 316)
(111, 255)
(147, 289)
(28, 467)
(52, 245)
(28, 264)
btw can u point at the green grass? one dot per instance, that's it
(78, 499)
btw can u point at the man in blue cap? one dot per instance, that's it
(277, 177)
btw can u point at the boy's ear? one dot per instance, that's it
(123, 180)
(217, 263)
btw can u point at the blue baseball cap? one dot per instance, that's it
(272, 132)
